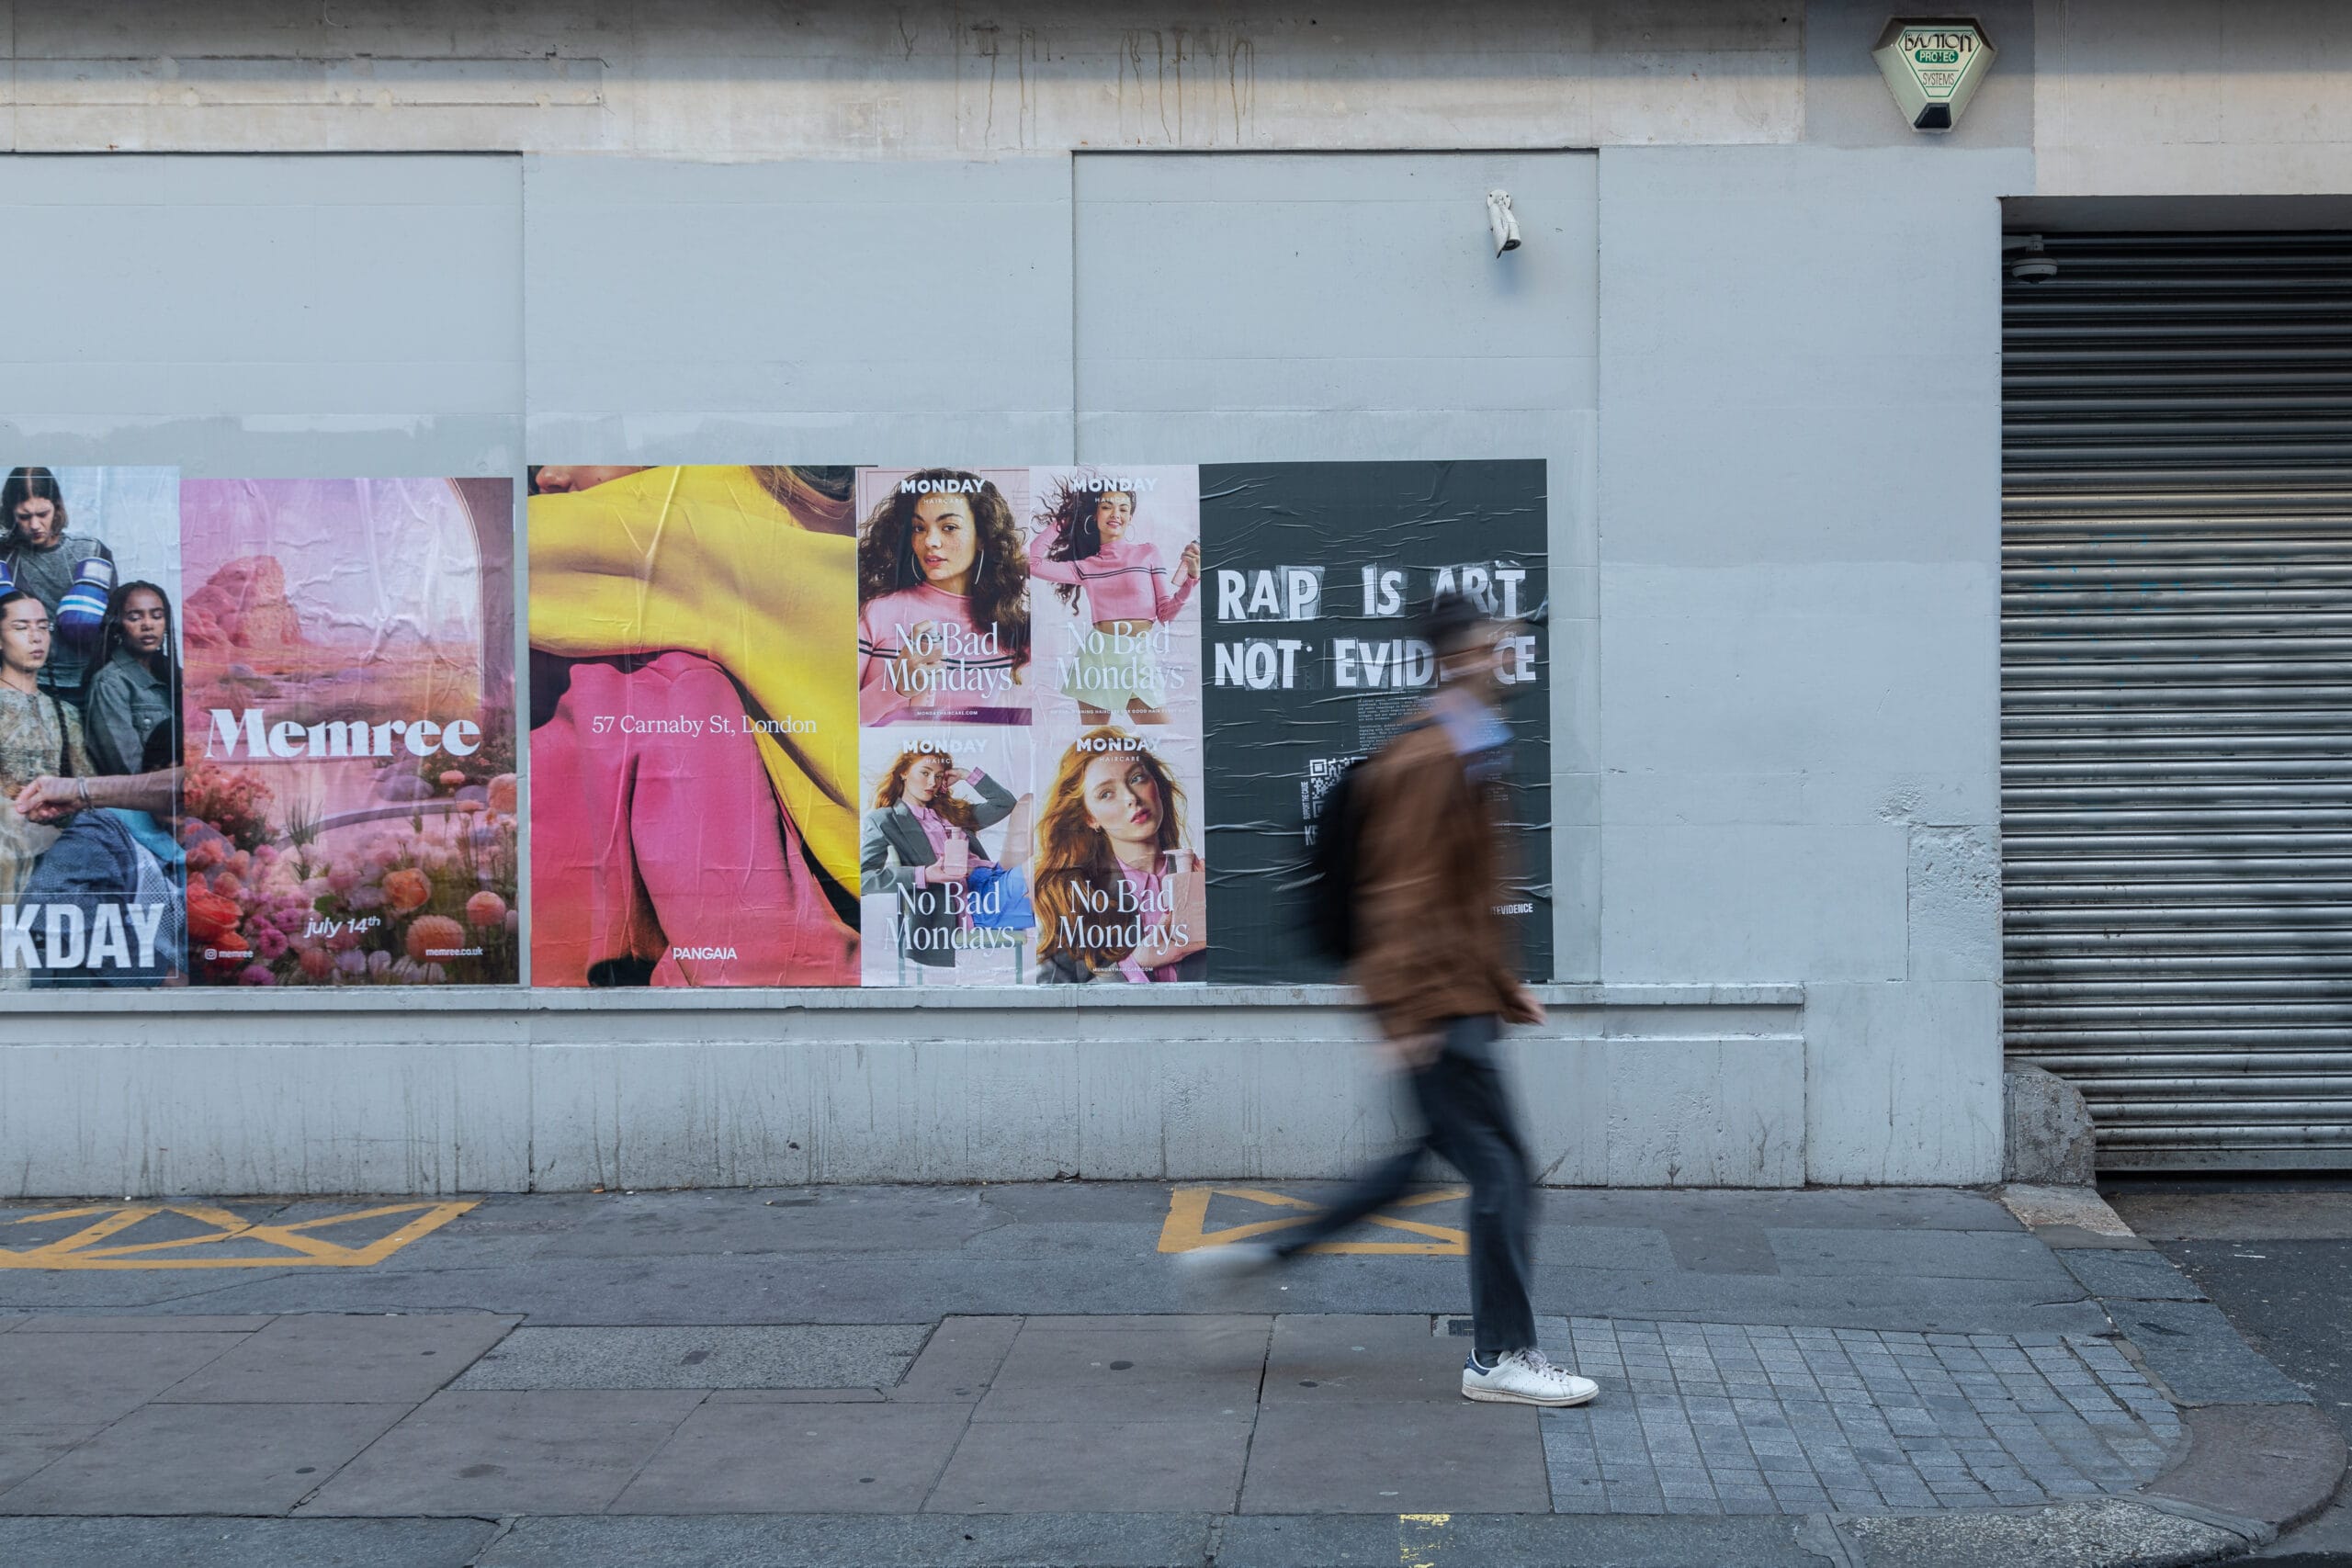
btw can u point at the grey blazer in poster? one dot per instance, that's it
(894, 846)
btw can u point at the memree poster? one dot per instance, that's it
(349, 799)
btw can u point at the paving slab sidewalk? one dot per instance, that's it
(1018, 1375)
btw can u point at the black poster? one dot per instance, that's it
(1313, 575)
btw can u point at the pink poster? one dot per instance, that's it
(350, 789)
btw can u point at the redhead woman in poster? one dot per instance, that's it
(1089, 548)
(943, 590)
(923, 844)
(690, 824)
(1118, 896)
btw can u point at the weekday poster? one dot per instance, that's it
(1315, 572)
(349, 798)
(91, 874)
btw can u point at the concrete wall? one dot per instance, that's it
(2193, 97)
(744, 79)
(2115, 96)
(1628, 1086)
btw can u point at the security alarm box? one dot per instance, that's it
(1933, 68)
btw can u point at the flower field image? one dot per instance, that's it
(426, 895)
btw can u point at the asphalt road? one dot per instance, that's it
(2276, 1256)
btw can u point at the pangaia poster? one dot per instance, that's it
(951, 724)
(694, 735)
(350, 793)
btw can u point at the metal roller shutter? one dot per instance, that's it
(2176, 691)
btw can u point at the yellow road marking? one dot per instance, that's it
(116, 1220)
(1186, 1227)
(298, 1246)
(1419, 1537)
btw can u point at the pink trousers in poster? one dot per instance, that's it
(663, 847)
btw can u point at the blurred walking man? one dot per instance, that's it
(1438, 965)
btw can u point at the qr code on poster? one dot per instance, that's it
(1322, 773)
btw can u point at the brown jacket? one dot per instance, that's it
(1429, 944)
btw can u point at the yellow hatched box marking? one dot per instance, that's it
(306, 1244)
(1186, 1227)
(1419, 1537)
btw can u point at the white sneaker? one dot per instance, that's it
(1524, 1376)
(1229, 1264)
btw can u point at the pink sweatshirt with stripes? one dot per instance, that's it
(1125, 581)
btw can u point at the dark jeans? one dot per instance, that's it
(1466, 1120)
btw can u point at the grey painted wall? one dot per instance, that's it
(1772, 423)
(818, 313)
(283, 316)
(1799, 578)
(1766, 379)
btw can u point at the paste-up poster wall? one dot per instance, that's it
(258, 732)
(937, 725)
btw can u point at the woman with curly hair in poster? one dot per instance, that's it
(943, 593)
(923, 844)
(1088, 548)
(1118, 896)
